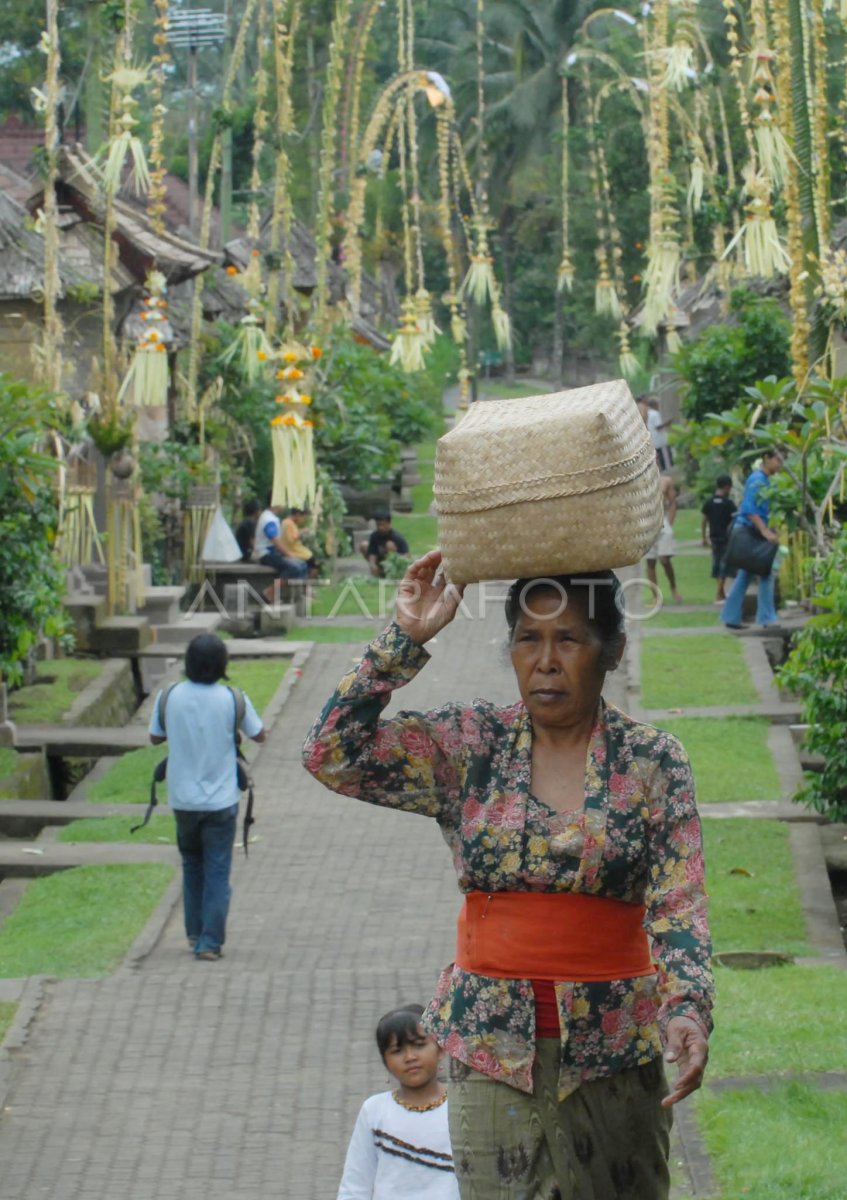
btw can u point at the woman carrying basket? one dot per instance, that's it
(582, 948)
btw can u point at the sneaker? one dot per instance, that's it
(729, 626)
(208, 955)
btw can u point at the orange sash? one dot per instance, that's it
(552, 935)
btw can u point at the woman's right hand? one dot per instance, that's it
(425, 600)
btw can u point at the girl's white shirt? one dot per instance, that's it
(397, 1154)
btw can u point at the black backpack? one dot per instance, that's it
(245, 782)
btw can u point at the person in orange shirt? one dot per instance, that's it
(292, 543)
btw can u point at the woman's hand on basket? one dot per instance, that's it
(426, 602)
(688, 1047)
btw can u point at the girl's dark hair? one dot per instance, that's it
(598, 592)
(400, 1026)
(206, 659)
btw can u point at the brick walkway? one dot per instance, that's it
(241, 1080)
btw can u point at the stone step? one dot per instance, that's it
(119, 636)
(35, 858)
(180, 632)
(83, 741)
(25, 818)
(161, 604)
(87, 611)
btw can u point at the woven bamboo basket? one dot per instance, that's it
(546, 485)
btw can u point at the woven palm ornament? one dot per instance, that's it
(546, 485)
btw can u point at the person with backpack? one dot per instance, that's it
(200, 720)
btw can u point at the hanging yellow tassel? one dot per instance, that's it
(679, 65)
(479, 282)
(695, 187)
(565, 275)
(458, 327)
(294, 478)
(425, 319)
(629, 365)
(407, 349)
(764, 253)
(606, 302)
(661, 278)
(250, 347)
(502, 326)
(774, 151)
(148, 372)
(673, 341)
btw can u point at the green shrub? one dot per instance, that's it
(31, 583)
(718, 365)
(816, 671)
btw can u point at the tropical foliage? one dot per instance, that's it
(816, 671)
(31, 583)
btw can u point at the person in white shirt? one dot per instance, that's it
(200, 728)
(656, 428)
(400, 1148)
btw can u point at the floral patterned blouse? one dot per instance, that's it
(638, 840)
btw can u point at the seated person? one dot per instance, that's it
(292, 543)
(383, 541)
(270, 551)
(245, 532)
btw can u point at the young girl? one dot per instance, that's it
(400, 1148)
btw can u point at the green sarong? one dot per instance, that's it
(609, 1140)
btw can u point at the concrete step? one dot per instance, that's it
(36, 858)
(161, 605)
(117, 636)
(83, 741)
(26, 818)
(87, 611)
(181, 631)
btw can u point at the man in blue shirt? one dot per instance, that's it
(754, 512)
(202, 779)
(270, 549)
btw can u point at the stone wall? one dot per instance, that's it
(29, 781)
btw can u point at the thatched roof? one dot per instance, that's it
(140, 247)
(22, 256)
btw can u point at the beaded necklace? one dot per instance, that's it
(420, 1108)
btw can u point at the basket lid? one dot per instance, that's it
(542, 447)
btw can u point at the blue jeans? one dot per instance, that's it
(765, 606)
(205, 841)
(285, 567)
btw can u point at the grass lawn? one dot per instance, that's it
(776, 1145)
(160, 829)
(335, 633)
(258, 677)
(358, 596)
(700, 670)
(729, 756)
(127, 780)
(56, 686)
(688, 524)
(52, 930)
(8, 1008)
(419, 529)
(8, 761)
(500, 390)
(760, 910)
(693, 579)
(671, 618)
(755, 1009)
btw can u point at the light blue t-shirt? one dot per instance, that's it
(200, 720)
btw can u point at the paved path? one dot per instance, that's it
(240, 1080)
